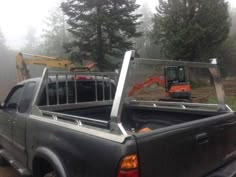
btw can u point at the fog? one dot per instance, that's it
(17, 17)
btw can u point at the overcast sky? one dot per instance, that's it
(16, 16)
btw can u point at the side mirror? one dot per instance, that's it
(2, 105)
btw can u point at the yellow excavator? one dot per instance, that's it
(23, 72)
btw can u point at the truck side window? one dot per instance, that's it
(12, 99)
(27, 97)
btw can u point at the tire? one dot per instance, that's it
(51, 174)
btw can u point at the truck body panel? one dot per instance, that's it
(196, 148)
(80, 154)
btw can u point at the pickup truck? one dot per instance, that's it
(68, 124)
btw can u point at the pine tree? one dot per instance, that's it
(144, 45)
(102, 28)
(233, 19)
(143, 41)
(31, 45)
(2, 42)
(54, 34)
(191, 29)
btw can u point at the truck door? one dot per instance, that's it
(8, 113)
(19, 121)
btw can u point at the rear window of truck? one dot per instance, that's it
(85, 90)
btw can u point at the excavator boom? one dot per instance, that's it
(23, 73)
(148, 82)
(21, 68)
(50, 63)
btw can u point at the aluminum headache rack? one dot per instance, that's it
(102, 82)
(67, 77)
(121, 93)
(120, 98)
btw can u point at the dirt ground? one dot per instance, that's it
(8, 171)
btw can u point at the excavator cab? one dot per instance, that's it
(176, 82)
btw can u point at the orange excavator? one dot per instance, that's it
(176, 84)
(23, 72)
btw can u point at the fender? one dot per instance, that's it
(52, 158)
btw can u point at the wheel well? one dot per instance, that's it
(41, 167)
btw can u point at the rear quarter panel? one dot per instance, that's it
(80, 154)
(176, 152)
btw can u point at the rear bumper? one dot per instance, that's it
(229, 170)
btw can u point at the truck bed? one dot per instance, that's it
(138, 117)
(181, 143)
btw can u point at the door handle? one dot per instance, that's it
(202, 138)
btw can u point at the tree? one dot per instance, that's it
(226, 55)
(54, 35)
(2, 42)
(143, 44)
(31, 45)
(233, 19)
(7, 67)
(102, 28)
(227, 52)
(191, 29)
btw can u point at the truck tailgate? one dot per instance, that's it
(191, 149)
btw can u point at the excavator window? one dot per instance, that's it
(174, 74)
(171, 76)
(181, 74)
(171, 73)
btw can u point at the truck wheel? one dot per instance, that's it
(51, 174)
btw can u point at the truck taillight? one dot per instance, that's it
(129, 166)
(131, 173)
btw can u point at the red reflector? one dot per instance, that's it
(130, 173)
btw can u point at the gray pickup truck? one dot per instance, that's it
(68, 124)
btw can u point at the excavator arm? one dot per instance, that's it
(21, 68)
(148, 82)
(23, 73)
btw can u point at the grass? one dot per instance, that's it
(198, 84)
(229, 100)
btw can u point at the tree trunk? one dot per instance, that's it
(100, 53)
